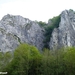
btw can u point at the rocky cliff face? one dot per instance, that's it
(64, 35)
(16, 29)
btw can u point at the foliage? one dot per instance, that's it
(5, 58)
(59, 62)
(29, 61)
(25, 62)
(49, 29)
(42, 24)
(69, 60)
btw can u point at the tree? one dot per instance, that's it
(5, 58)
(26, 61)
(69, 60)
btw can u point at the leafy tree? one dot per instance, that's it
(5, 58)
(53, 62)
(69, 60)
(25, 62)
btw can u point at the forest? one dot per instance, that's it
(27, 60)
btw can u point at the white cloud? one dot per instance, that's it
(35, 9)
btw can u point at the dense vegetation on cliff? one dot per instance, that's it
(54, 23)
(49, 29)
(28, 60)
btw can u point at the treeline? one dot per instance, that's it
(27, 60)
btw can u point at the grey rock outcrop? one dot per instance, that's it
(64, 35)
(16, 29)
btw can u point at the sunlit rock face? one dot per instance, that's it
(16, 29)
(64, 35)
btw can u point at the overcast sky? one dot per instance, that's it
(40, 10)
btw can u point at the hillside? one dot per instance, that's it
(58, 32)
(38, 48)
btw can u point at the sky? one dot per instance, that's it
(40, 10)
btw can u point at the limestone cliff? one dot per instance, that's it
(64, 35)
(16, 29)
